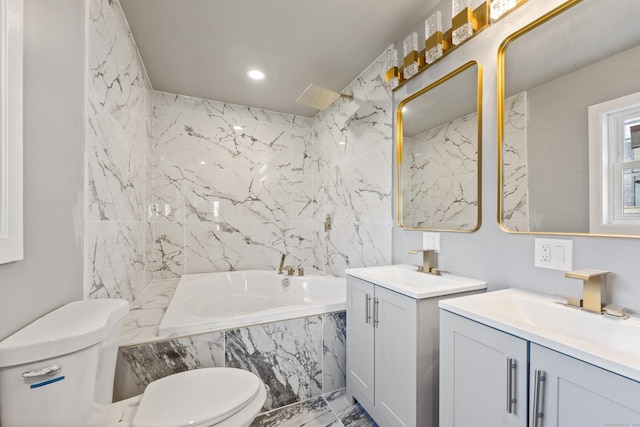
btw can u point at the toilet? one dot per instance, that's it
(59, 370)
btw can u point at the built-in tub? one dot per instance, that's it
(225, 300)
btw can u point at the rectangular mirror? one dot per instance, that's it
(556, 78)
(437, 147)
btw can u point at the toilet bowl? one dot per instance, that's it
(59, 370)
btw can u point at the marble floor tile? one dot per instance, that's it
(310, 413)
(350, 415)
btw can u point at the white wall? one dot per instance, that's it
(51, 272)
(506, 260)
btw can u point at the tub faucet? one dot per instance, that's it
(281, 267)
(428, 261)
(594, 291)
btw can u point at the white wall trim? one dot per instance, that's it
(11, 98)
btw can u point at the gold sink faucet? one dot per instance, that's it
(428, 260)
(594, 293)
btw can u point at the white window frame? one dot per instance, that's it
(11, 58)
(606, 164)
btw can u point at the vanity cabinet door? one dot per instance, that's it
(395, 357)
(360, 340)
(567, 392)
(483, 375)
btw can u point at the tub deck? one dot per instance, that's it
(145, 313)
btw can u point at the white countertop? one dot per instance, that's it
(407, 280)
(610, 343)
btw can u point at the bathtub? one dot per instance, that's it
(225, 300)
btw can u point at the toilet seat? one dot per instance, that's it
(200, 397)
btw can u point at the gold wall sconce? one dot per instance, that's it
(500, 8)
(466, 23)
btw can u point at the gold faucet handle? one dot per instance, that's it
(585, 273)
(615, 311)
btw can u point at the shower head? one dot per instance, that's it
(319, 97)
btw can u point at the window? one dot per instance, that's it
(614, 167)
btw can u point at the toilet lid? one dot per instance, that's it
(198, 397)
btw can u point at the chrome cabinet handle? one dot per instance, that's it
(367, 305)
(538, 397)
(511, 371)
(48, 371)
(376, 319)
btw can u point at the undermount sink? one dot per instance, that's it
(407, 280)
(611, 343)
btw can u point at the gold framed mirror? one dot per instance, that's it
(438, 146)
(561, 81)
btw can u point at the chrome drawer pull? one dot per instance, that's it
(538, 397)
(511, 398)
(367, 303)
(376, 318)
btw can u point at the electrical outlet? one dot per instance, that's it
(556, 254)
(545, 255)
(431, 241)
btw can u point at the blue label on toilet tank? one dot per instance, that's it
(55, 380)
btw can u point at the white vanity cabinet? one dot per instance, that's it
(392, 353)
(568, 392)
(483, 375)
(480, 386)
(382, 355)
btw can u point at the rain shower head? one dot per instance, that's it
(319, 97)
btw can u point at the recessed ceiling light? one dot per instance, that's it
(236, 127)
(255, 74)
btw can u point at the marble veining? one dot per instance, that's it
(334, 344)
(298, 359)
(441, 188)
(331, 409)
(515, 190)
(118, 171)
(313, 413)
(353, 143)
(225, 198)
(207, 196)
(137, 366)
(350, 415)
(324, 411)
(140, 325)
(287, 356)
(294, 358)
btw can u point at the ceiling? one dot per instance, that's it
(204, 48)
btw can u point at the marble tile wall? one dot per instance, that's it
(220, 198)
(352, 164)
(225, 198)
(118, 171)
(297, 359)
(514, 152)
(442, 167)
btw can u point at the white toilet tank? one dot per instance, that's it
(58, 370)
